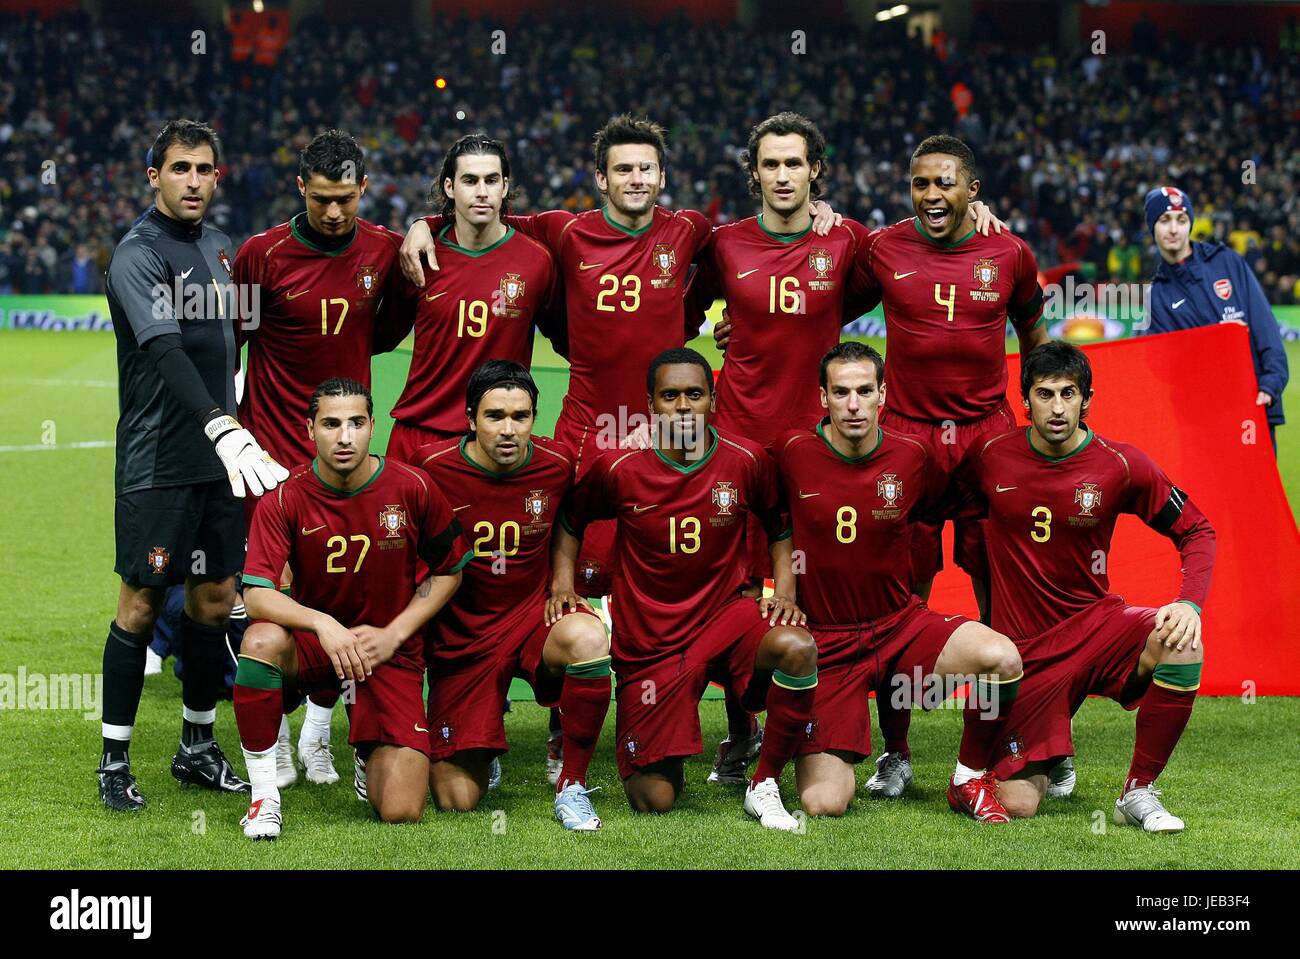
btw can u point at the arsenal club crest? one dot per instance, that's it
(1223, 289)
(986, 272)
(724, 498)
(664, 257)
(368, 280)
(821, 261)
(225, 261)
(1088, 497)
(391, 520)
(889, 488)
(158, 559)
(535, 504)
(512, 288)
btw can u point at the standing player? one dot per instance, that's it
(948, 293)
(183, 460)
(853, 490)
(679, 618)
(506, 486)
(352, 529)
(327, 282)
(1052, 493)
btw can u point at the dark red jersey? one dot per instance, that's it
(946, 312)
(479, 305)
(787, 296)
(681, 537)
(507, 519)
(851, 518)
(1051, 520)
(355, 555)
(321, 314)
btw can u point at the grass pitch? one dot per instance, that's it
(1232, 777)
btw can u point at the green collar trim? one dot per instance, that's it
(464, 441)
(880, 438)
(916, 222)
(1056, 459)
(713, 448)
(625, 229)
(293, 228)
(315, 468)
(442, 235)
(784, 237)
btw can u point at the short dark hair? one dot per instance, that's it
(339, 386)
(852, 351)
(626, 128)
(190, 133)
(1056, 358)
(495, 373)
(335, 155)
(785, 124)
(942, 143)
(472, 144)
(678, 354)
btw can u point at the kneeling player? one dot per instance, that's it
(853, 490)
(352, 529)
(679, 618)
(1052, 493)
(506, 486)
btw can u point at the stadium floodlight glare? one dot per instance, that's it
(891, 12)
(257, 6)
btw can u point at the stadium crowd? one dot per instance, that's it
(1068, 142)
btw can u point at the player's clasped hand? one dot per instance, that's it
(378, 644)
(345, 650)
(1177, 625)
(780, 609)
(559, 603)
(246, 463)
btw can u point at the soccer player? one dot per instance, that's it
(853, 490)
(353, 529)
(1052, 493)
(183, 460)
(493, 287)
(948, 292)
(328, 286)
(679, 618)
(506, 486)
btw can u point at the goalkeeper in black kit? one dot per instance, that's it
(183, 461)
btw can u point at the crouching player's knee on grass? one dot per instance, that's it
(1021, 795)
(397, 779)
(655, 788)
(459, 783)
(826, 782)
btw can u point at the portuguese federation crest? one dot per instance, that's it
(821, 261)
(391, 520)
(225, 260)
(889, 488)
(664, 257)
(986, 272)
(159, 558)
(368, 279)
(512, 288)
(1088, 497)
(724, 498)
(535, 504)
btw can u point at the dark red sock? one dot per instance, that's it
(1161, 719)
(894, 724)
(325, 698)
(790, 701)
(584, 701)
(988, 703)
(257, 714)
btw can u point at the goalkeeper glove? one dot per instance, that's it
(245, 461)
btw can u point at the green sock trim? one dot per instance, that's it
(786, 681)
(256, 674)
(1000, 691)
(591, 669)
(1180, 676)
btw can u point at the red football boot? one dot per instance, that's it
(978, 798)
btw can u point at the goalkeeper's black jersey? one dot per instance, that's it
(170, 277)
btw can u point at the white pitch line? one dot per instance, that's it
(39, 447)
(29, 381)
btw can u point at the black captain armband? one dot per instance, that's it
(1170, 512)
(1027, 309)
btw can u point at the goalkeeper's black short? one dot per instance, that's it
(168, 534)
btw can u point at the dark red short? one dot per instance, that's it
(467, 694)
(658, 715)
(596, 569)
(406, 438)
(949, 442)
(886, 655)
(1093, 652)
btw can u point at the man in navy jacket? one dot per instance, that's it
(1197, 284)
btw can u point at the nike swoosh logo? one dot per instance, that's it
(457, 509)
(587, 266)
(186, 274)
(642, 509)
(435, 296)
(1004, 489)
(803, 495)
(902, 276)
(1179, 303)
(949, 619)
(741, 276)
(294, 296)
(308, 532)
(419, 728)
